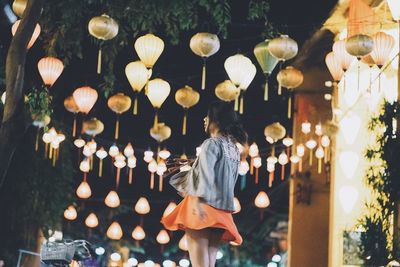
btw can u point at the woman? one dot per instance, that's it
(205, 213)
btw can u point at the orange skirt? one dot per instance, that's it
(183, 218)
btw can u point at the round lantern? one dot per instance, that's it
(19, 6)
(50, 68)
(101, 154)
(160, 132)
(334, 67)
(137, 75)
(92, 127)
(71, 106)
(158, 91)
(83, 191)
(262, 200)
(266, 61)
(227, 91)
(383, 46)
(85, 98)
(359, 45)
(204, 45)
(283, 48)
(92, 221)
(274, 132)
(103, 28)
(142, 207)
(149, 48)
(114, 232)
(119, 103)
(35, 33)
(112, 200)
(290, 78)
(70, 213)
(345, 59)
(163, 237)
(138, 233)
(187, 98)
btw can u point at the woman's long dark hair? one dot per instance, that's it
(222, 114)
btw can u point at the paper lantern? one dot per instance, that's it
(101, 154)
(158, 92)
(119, 104)
(70, 213)
(149, 48)
(71, 106)
(119, 163)
(243, 168)
(92, 127)
(84, 166)
(103, 28)
(204, 45)
(79, 143)
(92, 221)
(236, 205)
(83, 191)
(113, 151)
(35, 34)
(163, 237)
(138, 76)
(183, 244)
(142, 206)
(170, 208)
(266, 61)
(187, 98)
(50, 68)
(85, 98)
(148, 156)
(394, 7)
(112, 200)
(283, 159)
(227, 91)
(114, 232)
(334, 66)
(345, 59)
(128, 150)
(138, 233)
(283, 48)
(383, 46)
(274, 132)
(262, 200)
(152, 168)
(19, 6)
(359, 45)
(131, 165)
(290, 78)
(160, 132)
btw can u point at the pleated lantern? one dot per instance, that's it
(92, 127)
(92, 221)
(50, 68)
(334, 66)
(345, 59)
(103, 28)
(19, 6)
(158, 91)
(137, 75)
(35, 34)
(204, 45)
(227, 91)
(266, 61)
(119, 103)
(187, 98)
(383, 46)
(149, 48)
(119, 163)
(359, 45)
(290, 78)
(283, 48)
(85, 97)
(114, 232)
(71, 106)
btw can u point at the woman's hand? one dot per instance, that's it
(198, 209)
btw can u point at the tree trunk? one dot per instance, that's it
(15, 117)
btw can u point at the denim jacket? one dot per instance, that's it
(213, 174)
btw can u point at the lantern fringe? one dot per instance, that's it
(130, 175)
(152, 181)
(160, 185)
(241, 104)
(99, 62)
(74, 126)
(117, 128)
(203, 76)
(135, 105)
(266, 89)
(184, 122)
(100, 168)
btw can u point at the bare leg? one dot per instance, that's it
(198, 247)
(213, 246)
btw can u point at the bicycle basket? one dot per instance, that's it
(57, 252)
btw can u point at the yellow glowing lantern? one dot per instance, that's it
(161, 168)
(79, 143)
(204, 45)
(163, 237)
(35, 33)
(262, 200)
(274, 132)
(114, 232)
(92, 221)
(50, 68)
(158, 91)
(160, 132)
(70, 213)
(236, 205)
(170, 208)
(149, 48)
(142, 207)
(118, 103)
(266, 61)
(112, 200)
(103, 28)
(183, 244)
(290, 78)
(383, 46)
(334, 66)
(19, 6)
(101, 154)
(71, 106)
(138, 75)
(187, 98)
(227, 91)
(92, 127)
(83, 191)
(283, 48)
(138, 233)
(85, 98)
(84, 165)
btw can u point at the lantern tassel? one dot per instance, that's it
(241, 104)
(91, 162)
(184, 123)
(156, 119)
(319, 165)
(289, 107)
(100, 168)
(152, 181)
(271, 179)
(279, 89)
(283, 173)
(130, 175)
(257, 175)
(99, 62)
(311, 157)
(266, 88)
(54, 157)
(118, 178)
(117, 128)
(37, 139)
(203, 76)
(46, 148)
(135, 105)
(237, 104)
(74, 127)
(251, 166)
(160, 185)
(301, 165)
(51, 151)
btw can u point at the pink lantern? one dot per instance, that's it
(85, 97)
(50, 68)
(334, 66)
(383, 45)
(343, 57)
(35, 33)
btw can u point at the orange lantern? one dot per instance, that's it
(112, 200)
(50, 68)
(83, 191)
(35, 33)
(383, 46)
(138, 233)
(114, 232)
(92, 221)
(142, 207)
(85, 97)
(163, 237)
(119, 103)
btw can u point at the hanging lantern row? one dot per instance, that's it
(52, 141)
